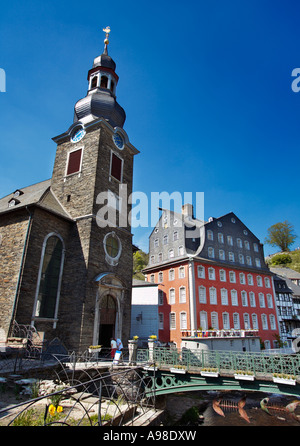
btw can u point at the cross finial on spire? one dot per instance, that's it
(106, 41)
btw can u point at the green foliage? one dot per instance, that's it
(281, 235)
(140, 261)
(281, 259)
(191, 415)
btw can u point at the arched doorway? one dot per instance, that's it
(108, 312)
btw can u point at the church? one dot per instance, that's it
(66, 269)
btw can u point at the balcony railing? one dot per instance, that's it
(219, 333)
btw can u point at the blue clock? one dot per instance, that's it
(118, 140)
(78, 135)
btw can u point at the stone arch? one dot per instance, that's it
(108, 308)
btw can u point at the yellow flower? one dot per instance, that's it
(59, 409)
(51, 409)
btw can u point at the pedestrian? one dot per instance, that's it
(119, 345)
(113, 346)
(120, 348)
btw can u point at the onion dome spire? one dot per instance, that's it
(100, 101)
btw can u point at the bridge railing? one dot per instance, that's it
(258, 363)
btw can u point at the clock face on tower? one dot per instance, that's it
(118, 140)
(77, 135)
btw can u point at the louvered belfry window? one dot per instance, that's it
(74, 161)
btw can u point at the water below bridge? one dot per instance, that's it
(197, 409)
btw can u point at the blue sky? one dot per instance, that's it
(206, 87)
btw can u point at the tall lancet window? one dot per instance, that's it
(51, 267)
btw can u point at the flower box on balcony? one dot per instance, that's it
(210, 372)
(245, 376)
(281, 378)
(95, 348)
(177, 370)
(150, 367)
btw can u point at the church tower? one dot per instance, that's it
(92, 180)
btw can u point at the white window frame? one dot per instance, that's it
(214, 320)
(160, 297)
(222, 274)
(182, 295)
(246, 319)
(202, 296)
(224, 296)
(269, 300)
(183, 320)
(171, 274)
(221, 254)
(210, 234)
(261, 299)
(244, 298)
(232, 277)
(213, 295)
(272, 322)
(211, 252)
(181, 272)
(254, 319)
(259, 281)
(234, 298)
(172, 320)
(220, 237)
(252, 299)
(242, 279)
(226, 320)
(201, 271)
(264, 322)
(236, 321)
(172, 297)
(203, 320)
(211, 273)
(160, 321)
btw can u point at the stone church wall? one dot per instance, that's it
(13, 230)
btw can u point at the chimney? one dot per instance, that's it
(187, 210)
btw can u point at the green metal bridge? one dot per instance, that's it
(171, 370)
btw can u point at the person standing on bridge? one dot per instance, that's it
(113, 345)
(120, 348)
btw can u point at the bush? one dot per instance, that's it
(281, 259)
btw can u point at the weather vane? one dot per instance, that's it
(107, 31)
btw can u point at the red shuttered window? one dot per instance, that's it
(116, 167)
(74, 161)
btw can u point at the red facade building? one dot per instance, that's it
(214, 277)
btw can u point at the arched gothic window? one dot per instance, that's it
(48, 288)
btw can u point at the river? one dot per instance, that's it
(178, 409)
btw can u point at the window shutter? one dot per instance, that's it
(116, 167)
(74, 161)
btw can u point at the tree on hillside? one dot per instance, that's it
(140, 261)
(281, 235)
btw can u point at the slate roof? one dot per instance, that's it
(286, 272)
(137, 282)
(39, 194)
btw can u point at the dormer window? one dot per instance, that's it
(13, 202)
(17, 193)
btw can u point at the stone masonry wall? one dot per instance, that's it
(13, 229)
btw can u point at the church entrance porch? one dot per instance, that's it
(108, 313)
(108, 309)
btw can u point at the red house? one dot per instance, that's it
(212, 277)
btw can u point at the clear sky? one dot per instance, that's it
(206, 86)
